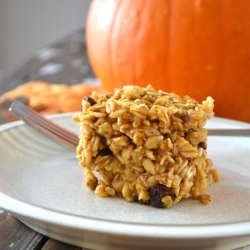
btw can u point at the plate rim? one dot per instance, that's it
(125, 228)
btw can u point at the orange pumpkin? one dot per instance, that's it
(190, 47)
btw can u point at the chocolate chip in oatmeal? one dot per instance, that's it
(157, 192)
(90, 100)
(104, 152)
(202, 145)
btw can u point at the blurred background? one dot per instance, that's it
(43, 42)
(26, 26)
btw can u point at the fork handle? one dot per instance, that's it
(228, 132)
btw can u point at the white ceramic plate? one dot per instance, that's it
(42, 184)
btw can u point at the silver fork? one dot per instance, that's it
(43, 124)
(55, 131)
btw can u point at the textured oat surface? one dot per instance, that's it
(146, 146)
